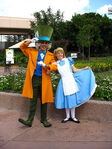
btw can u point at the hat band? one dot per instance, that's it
(44, 38)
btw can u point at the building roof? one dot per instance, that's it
(13, 22)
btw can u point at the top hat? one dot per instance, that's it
(44, 32)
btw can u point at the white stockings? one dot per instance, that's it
(68, 111)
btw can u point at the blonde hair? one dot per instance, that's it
(59, 50)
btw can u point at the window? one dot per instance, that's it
(9, 40)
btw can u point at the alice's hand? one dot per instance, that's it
(47, 72)
(87, 67)
(54, 63)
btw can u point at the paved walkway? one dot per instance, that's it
(86, 135)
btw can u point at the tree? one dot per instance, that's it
(87, 31)
(106, 34)
(85, 37)
(96, 21)
(56, 20)
(49, 18)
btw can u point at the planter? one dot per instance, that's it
(91, 110)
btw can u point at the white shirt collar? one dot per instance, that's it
(61, 60)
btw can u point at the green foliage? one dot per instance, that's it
(104, 88)
(101, 32)
(97, 65)
(88, 32)
(6, 82)
(18, 81)
(20, 59)
(55, 80)
(2, 59)
(87, 38)
(12, 82)
(49, 18)
(83, 31)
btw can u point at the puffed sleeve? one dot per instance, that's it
(71, 61)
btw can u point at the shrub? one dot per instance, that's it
(55, 79)
(13, 82)
(104, 88)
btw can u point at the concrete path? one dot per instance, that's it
(86, 135)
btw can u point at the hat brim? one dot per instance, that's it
(40, 41)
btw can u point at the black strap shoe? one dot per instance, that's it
(75, 120)
(65, 120)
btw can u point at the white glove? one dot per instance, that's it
(34, 40)
(42, 64)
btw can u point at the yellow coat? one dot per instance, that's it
(47, 93)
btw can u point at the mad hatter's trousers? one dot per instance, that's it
(37, 92)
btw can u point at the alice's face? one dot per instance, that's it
(59, 55)
(43, 46)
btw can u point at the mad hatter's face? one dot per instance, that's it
(43, 45)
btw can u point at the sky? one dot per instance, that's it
(26, 8)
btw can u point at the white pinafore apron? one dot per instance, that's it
(69, 85)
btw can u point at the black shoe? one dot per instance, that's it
(26, 123)
(46, 123)
(64, 121)
(76, 121)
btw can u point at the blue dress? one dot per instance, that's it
(85, 81)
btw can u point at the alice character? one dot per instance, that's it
(75, 87)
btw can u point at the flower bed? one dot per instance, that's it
(14, 82)
(98, 65)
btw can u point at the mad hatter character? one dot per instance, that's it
(38, 81)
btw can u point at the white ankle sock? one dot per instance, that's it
(73, 113)
(67, 113)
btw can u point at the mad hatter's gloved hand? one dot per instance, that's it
(34, 40)
(42, 63)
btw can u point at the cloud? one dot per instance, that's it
(103, 10)
(25, 8)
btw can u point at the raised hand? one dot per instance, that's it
(27, 41)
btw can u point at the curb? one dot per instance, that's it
(11, 69)
(91, 110)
